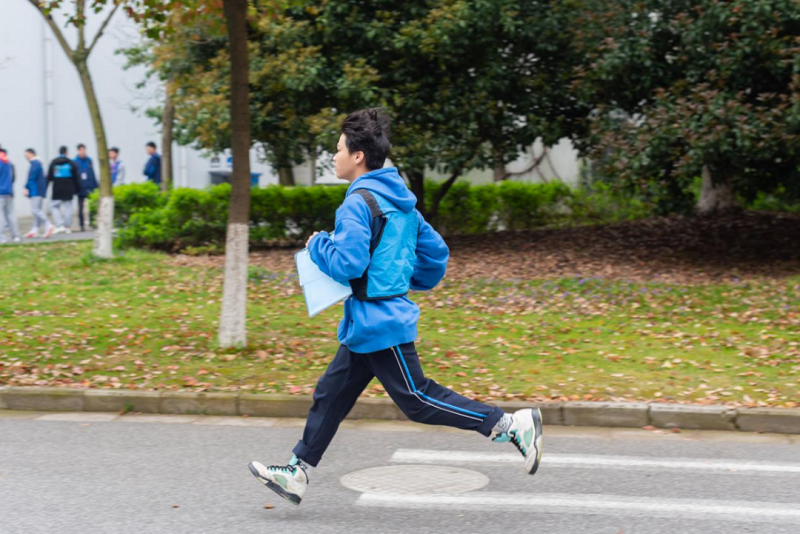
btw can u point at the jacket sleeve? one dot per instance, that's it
(41, 180)
(32, 178)
(432, 256)
(346, 256)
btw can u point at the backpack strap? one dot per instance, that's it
(374, 209)
(378, 218)
(377, 225)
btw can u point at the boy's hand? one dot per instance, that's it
(310, 238)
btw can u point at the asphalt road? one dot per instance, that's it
(99, 473)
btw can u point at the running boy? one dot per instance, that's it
(384, 248)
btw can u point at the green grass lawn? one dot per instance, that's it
(140, 321)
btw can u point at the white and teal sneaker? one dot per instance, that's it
(525, 433)
(288, 481)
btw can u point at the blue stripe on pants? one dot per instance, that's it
(414, 390)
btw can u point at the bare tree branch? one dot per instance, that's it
(56, 30)
(102, 29)
(440, 194)
(535, 163)
(81, 18)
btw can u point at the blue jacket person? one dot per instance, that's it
(384, 248)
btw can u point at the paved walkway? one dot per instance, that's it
(81, 473)
(25, 224)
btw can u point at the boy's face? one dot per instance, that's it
(112, 154)
(82, 152)
(346, 165)
(29, 156)
(151, 150)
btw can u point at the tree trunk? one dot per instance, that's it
(232, 331)
(500, 173)
(167, 124)
(417, 180)
(286, 176)
(312, 163)
(717, 193)
(103, 239)
(440, 194)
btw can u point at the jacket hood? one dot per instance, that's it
(388, 183)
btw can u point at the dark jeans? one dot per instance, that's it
(399, 371)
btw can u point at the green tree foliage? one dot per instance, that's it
(689, 88)
(467, 81)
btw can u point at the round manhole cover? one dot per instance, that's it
(415, 480)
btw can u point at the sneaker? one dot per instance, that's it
(49, 231)
(288, 481)
(59, 230)
(526, 435)
(17, 239)
(32, 234)
(67, 231)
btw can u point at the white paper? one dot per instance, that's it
(320, 290)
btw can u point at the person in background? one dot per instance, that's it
(7, 199)
(36, 190)
(88, 181)
(152, 168)
(117, 167)
(65, 177)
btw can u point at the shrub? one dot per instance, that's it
(189, 218)
(129, 199)
(195, 220)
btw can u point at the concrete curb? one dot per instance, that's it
(606, 414)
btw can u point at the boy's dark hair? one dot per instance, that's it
(62, 150)
(80, 146)
(32, 151)
(151, 144)
(3, 150)
(367, 131)
(114, 149)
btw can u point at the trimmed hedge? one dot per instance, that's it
(196, 219)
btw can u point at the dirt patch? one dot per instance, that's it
(683, 250)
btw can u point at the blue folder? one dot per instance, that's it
(320, 290)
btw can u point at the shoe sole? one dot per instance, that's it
(294, 499)
(536, 415)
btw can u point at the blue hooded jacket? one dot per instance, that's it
(88, 179)
(374, 325)
(37, 181)
(152, 169)
(6, 177)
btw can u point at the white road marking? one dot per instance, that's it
(78, 417)
(421, 456)
(618, 505)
